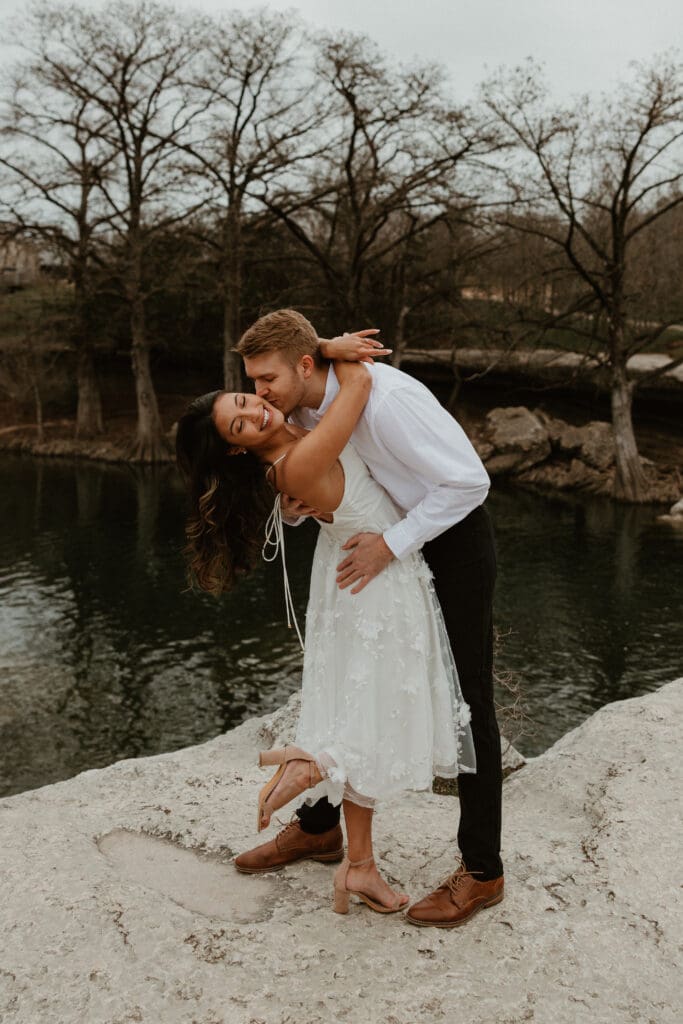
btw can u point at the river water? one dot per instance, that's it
(105, 655)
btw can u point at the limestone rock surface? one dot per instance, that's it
(593, 442)
(119, 902)
(568, 475)
(518, 438)
(597, 447)
(675, 514)
(546, 453)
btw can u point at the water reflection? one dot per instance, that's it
(105, 654)
(592, 594)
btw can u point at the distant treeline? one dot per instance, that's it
(183, 174)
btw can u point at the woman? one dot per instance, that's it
(381, 707)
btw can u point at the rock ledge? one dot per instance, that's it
(119, 903)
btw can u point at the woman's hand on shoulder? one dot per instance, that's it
(359, 347)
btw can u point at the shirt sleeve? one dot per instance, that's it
(422, 435)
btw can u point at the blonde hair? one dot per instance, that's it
(284, 331)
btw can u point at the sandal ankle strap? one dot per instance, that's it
(357, 863)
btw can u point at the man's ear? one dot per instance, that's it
(307, 363)
(236, 450)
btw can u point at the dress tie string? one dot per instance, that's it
(273, 545)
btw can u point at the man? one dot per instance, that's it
(423, 458)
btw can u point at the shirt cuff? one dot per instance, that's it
(397, 538)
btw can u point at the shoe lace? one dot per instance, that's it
(456, 881)
(287, 826)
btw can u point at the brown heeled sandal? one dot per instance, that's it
(282, 756)
(342, 892)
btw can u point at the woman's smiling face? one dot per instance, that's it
(245, 421)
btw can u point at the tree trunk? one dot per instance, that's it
(40, 432)
(233, 379)
(354, 311)
(454, 395)
(629, 481)
(148, 444)
(232, 361)
(89, 413)
(399, 338)
(89, 407)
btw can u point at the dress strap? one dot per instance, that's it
(277, 462)
(273, 545)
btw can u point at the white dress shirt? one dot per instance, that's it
(416, 451)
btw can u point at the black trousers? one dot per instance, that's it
(463, 562)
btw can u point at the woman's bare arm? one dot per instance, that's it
(312, 459)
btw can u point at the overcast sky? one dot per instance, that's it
(586, 45)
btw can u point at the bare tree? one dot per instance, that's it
(127, 63)
(259, 122)
(31, 354)
(387, 171)
(596, 181)
(429, 282)
(56, 162)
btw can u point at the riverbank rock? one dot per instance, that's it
(674, 515)
(593, 442)
(543, 451)
(540, 451)
(530, 447)
(517, 440)
(59, 442)
(119, 902)
(568, 475)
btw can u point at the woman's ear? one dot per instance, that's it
(234, 450)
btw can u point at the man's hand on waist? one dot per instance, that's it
(369, 554)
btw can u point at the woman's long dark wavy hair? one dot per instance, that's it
(230, 499)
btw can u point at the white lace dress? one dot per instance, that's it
(381, 706)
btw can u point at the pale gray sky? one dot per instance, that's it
(586, 45)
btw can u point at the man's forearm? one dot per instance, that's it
(432, 517)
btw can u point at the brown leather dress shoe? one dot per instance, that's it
(291, 845)
(456, 900)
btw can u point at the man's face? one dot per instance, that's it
(277, 381)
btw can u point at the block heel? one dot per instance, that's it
(342, 892)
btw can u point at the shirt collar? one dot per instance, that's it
(331, 389)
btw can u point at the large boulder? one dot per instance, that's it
(564, 437)
(597, 447)
(675, 514)
(547, 453)
(593, 442)
(119, 902)
(518, 439)
(569, 475)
